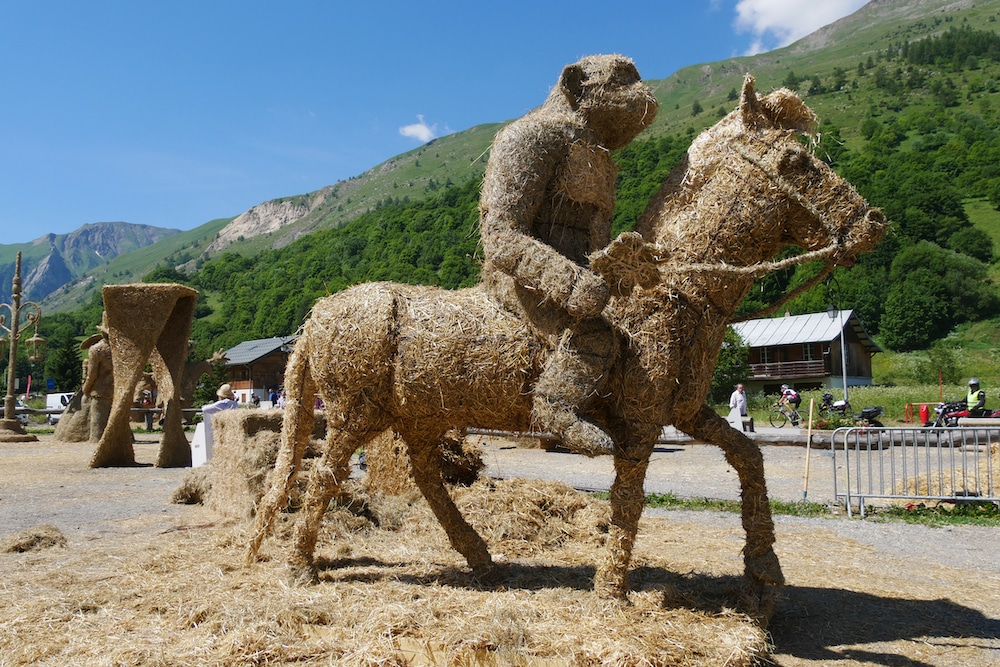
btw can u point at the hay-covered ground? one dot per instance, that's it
(143, 582)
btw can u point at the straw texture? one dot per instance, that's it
(146, 322)
(422, 361)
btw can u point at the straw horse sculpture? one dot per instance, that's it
(422, 360)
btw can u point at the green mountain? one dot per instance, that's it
(909, 93)
(53, 260)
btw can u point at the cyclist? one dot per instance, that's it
(791, 400)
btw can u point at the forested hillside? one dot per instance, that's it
(914, 125)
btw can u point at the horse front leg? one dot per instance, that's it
(628, 499)
(425, 463)
(760, 562)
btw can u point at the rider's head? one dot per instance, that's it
(784, 387)
(974, 382)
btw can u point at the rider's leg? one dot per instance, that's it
(575, 372)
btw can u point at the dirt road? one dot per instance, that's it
(859, 593)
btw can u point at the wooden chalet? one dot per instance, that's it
(255, 366)
(804, 351)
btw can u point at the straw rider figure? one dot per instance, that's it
(547, 200)
(99, 384)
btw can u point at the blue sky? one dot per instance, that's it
(176, 113)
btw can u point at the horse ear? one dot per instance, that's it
(571, 84)
(750, 109)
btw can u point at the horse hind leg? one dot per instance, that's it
(296, 429)
(425, 463)
(325, 481)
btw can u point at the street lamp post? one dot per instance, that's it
(10, 427)
(836, 313)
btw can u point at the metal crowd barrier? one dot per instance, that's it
(915, 464)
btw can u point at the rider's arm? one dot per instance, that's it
(514, 191)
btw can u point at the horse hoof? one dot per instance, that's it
(612, 591)
(302, 574)
(759, 601)
(487, 573)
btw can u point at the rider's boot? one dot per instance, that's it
(573, 375)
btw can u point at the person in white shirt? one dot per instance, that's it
(227, 401)
(738, 399)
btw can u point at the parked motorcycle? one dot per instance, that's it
(867, 417)
(948, 413)
(830, 406)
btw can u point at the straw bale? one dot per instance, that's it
(245, 448)
(388, 465)
(36, 538)
(954, 481)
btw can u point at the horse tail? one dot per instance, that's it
(296, 428)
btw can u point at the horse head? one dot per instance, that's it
(747, 188)
(823, 210)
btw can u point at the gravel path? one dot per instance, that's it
(859, 593)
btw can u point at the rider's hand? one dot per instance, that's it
(588, 296)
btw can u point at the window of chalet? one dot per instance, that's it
(768, 355)
(809, 352)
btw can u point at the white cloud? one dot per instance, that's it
(420, 131)
(776, 23)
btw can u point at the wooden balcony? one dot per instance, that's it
(789, 369)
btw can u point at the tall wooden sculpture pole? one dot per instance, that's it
(10, 429)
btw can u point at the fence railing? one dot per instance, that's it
(915, 464)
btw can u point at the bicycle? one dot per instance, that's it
(782, 415)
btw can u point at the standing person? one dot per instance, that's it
(738, 399)
(975, 401)
(547, 200)
(227, 401)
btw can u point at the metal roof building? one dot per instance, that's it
(808, 351)
(810, 328)
(258, 365)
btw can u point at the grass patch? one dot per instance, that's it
(962, 514)
(969, 513)
(672, 501)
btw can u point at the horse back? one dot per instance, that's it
(422, 353)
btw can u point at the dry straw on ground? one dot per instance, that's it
(37, 538)
(389, 594)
